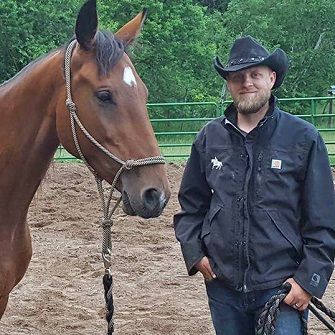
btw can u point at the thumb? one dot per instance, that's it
(209, 268)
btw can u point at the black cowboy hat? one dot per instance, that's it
(247, 52)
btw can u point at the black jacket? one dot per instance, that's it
(260, 206)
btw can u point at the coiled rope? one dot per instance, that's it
(267, 320)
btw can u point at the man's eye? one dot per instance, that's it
(235, 78)
(105, 96)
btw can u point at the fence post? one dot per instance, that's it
(313, 111)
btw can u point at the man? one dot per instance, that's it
(257, 201)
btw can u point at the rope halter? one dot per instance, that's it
(125, 165)
(75, 121)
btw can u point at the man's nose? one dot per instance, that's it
(247, 80)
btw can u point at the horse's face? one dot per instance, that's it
(111, 104)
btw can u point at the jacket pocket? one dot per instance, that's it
(286, 230)
(206, 227)
(274, 247)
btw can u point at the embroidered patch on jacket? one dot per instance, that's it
(276, 164)
(315, 281)
(216, 164)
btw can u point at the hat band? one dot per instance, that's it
(245, 61)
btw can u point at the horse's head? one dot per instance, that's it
(110, 100)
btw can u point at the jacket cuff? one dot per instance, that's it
(313, 282)
(192, 253)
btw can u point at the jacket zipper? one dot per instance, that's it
(246, 215)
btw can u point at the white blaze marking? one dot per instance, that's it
(128, 76)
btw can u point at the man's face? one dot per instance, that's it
(251, 88)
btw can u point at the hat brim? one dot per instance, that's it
(277, 61)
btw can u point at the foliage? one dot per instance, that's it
(175, 51)
(220, 5)
(30, 29)
(180, 38)
(304, 29)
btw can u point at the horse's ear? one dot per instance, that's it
(87, 24)
(129, 32)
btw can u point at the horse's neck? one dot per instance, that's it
(28, 135)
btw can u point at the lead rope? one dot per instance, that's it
(267, 319)
(107, 221)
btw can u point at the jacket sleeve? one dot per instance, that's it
(318, 228)
(194, 198)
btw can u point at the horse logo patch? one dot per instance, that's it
(216, 164)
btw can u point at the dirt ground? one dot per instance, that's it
(62, 291)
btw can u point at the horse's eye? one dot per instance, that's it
(105, 96)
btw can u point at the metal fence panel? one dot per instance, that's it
(176, 124)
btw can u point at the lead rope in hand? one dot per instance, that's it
(267, 319)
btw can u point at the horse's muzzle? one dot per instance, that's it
(149, 205)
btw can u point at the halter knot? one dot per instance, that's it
(70, 104)
(107, 223)
(129, 164)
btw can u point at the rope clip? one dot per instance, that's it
(106, 256)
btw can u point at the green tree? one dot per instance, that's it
(175, 51)
(220, 5)
(30, 29)
(304, 29)
(173, 55)
(180, 38)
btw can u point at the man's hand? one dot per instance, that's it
(204, 267)
(297, 298)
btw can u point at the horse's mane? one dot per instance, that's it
(108, 50)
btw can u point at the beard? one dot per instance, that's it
(251, 104)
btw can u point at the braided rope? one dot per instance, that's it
(108, 286)
(107, 221)
(319, 305)
(267, 318)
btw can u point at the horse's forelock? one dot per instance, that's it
(109, 50)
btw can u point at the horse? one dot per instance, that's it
(102, 86)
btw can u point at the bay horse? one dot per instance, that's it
(110, 101)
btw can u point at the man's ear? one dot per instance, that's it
(273, 78)
(130, 31)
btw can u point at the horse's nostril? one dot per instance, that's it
(152, 198)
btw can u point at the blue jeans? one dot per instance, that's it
(236, 313)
